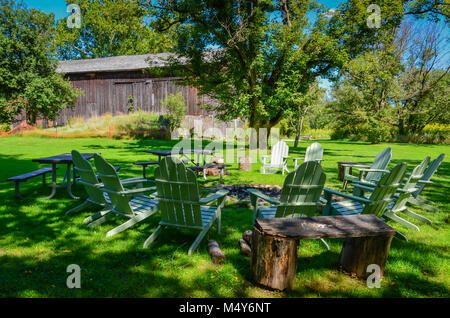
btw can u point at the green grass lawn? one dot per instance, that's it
(38, 242)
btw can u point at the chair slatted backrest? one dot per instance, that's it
(178, 193)
(88, 178)
(411, 183)
(385, 190)
(429, 172)
(381, 162)
(314, 152)
(301, 191)
(279, 150)
(111, 181)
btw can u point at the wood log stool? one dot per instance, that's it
(245, 163)
(275, 245)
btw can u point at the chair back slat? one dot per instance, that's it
(178, 193)
(381, 162)
(301, 191)
(410, 183)
(384, 191)
(314, 152)
(279, 150)
(111, 181)
(428, 173)
(87, 175)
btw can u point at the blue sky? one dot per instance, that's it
(59, 7)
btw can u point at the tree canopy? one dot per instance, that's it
(266, 50)
(28, 81)
(110, 28)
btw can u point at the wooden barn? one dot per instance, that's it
(111, 85)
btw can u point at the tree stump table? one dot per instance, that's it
(275, 245)
(343, 165)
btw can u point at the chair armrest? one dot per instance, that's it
(374, 170)
(356, 165)
(323, 202)
(345, 195)
(97, 185)
(213, 197)
(412, 190)
(135, 180)
(256, 193)
(369, 188)
(128, 192)
(364, 183)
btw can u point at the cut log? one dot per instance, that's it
(216, 253)
(247, 236)
(274, 260)
(360, 252)
(245, 248)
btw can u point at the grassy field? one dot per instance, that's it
(38, 242)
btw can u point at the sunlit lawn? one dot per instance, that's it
(38, 242)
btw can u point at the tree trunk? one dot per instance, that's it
(298, 131)
(273, 261)
(360, 252)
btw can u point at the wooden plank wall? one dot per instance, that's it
(109, 93)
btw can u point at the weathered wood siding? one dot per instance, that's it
(110, 92)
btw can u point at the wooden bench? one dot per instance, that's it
(275, 245)
(144, 165)
(25, 177)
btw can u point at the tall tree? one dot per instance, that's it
(266, 49)
(28, 81)
(110, 28)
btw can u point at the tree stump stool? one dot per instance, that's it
(275, 245)
(245, 163)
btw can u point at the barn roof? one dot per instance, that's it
(119, 63)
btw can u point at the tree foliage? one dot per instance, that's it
(110, 28)
(265, 50)
(28, 81)
(398, 88)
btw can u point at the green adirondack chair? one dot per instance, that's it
(403, 195)
(401, 198)
(300, 196)
(92, 185)
(180, 203)
(129, 203)
(372, 174)
(376, 204)
(313, 153)
(415, 198)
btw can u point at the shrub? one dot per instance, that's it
(176, 110)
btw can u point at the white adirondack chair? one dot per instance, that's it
(313, 153)
(278, 159)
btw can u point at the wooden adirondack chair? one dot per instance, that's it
(372, 174)
(376, 204)
(405, 192)
(402, 196)
(300, 196)
(313, 153)
(92, 185)
(278, 159)
(129, 203)
(415, 198)
(180, 203)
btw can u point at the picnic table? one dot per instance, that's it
(183, 153)
(64, 159)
